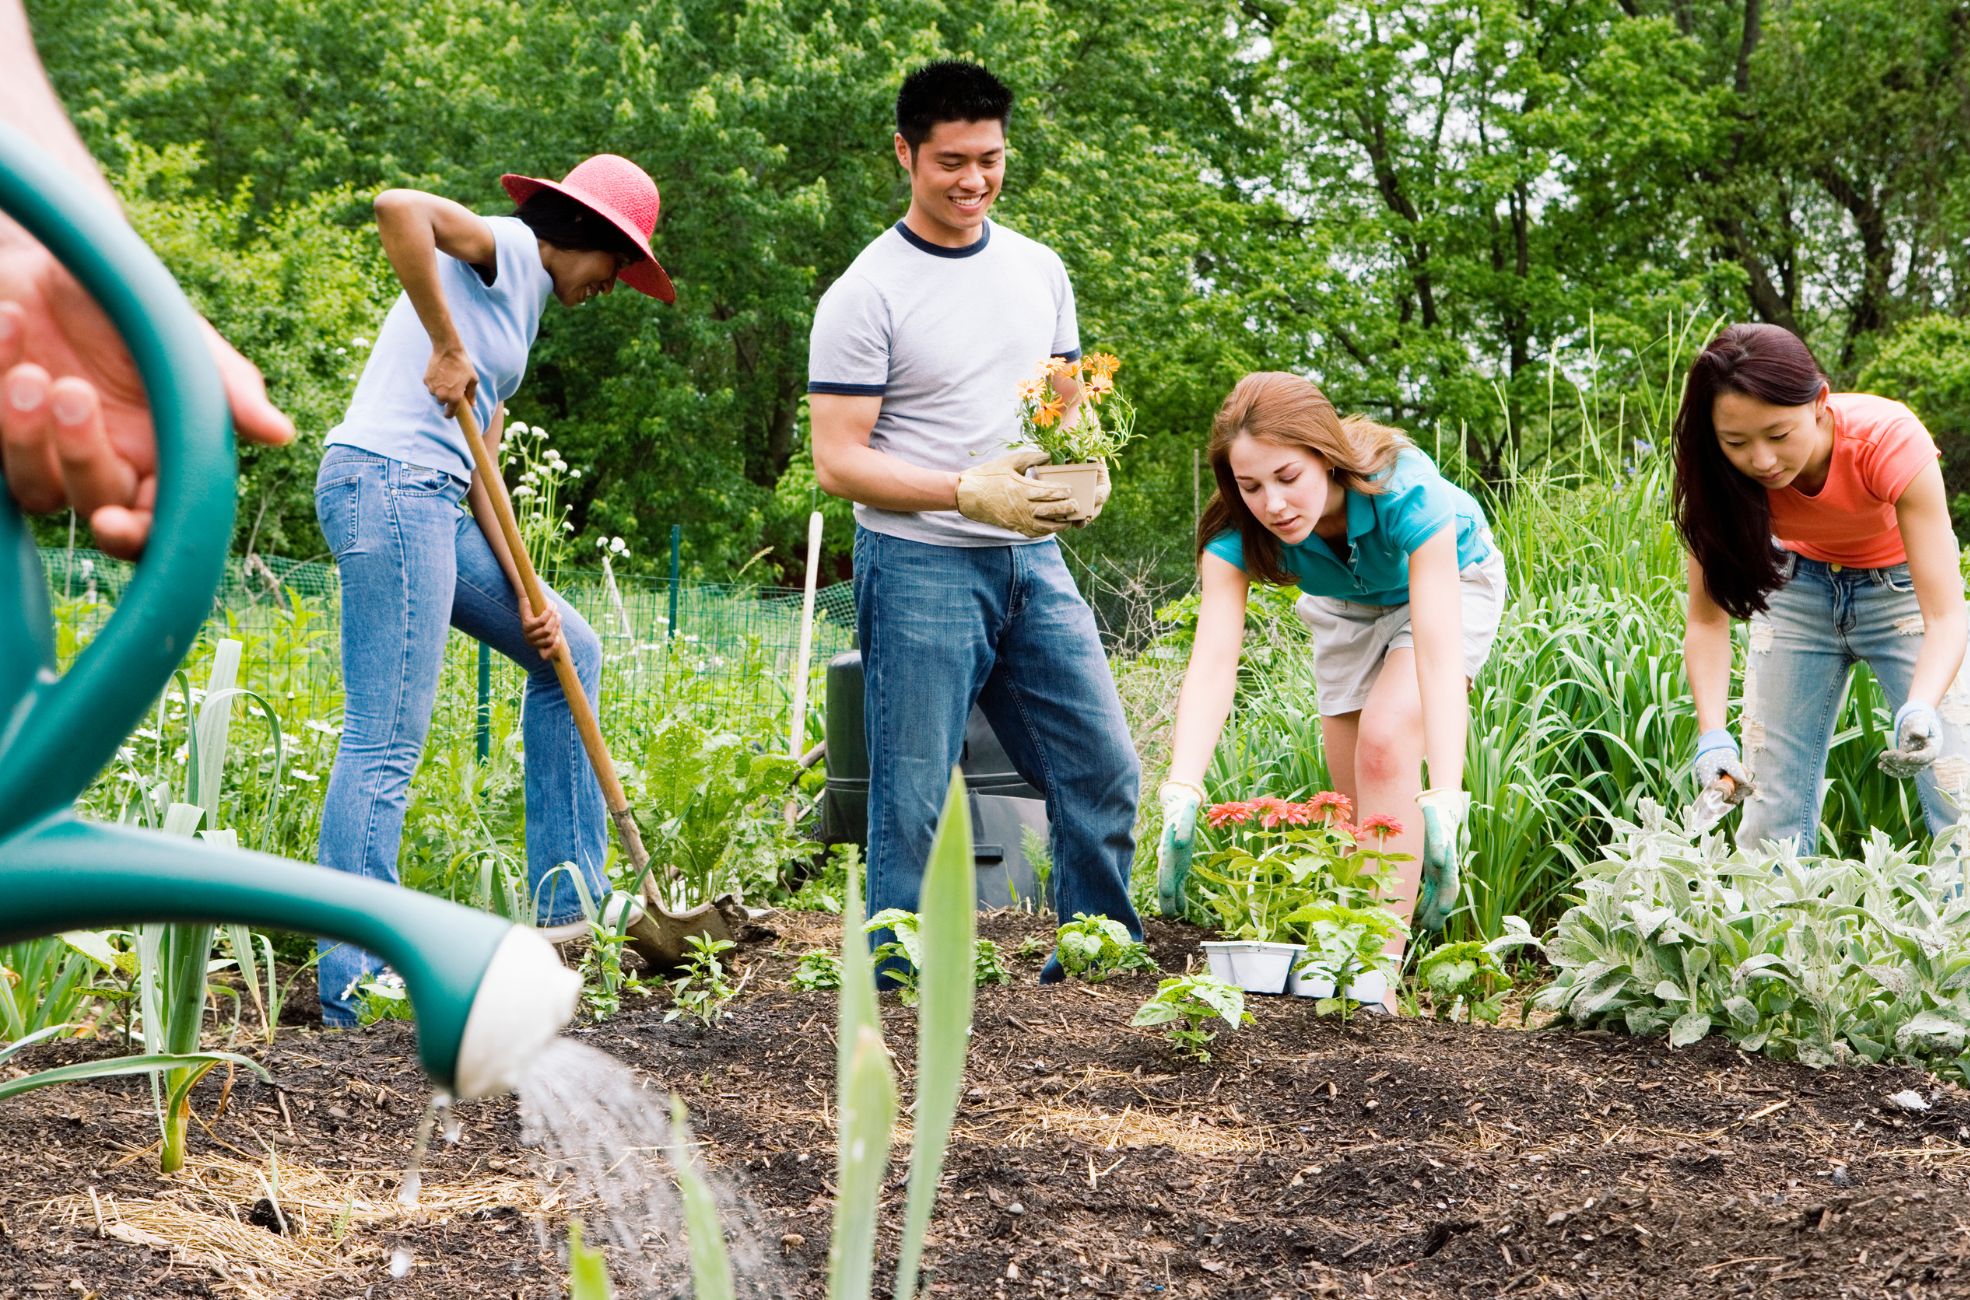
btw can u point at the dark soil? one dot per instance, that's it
(1398, 1158)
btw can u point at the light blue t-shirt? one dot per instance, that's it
(1383, 531)
(392, 414)
(944, 336)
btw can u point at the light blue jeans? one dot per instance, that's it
(1002, 627)
(413, 565)
(1815, 628)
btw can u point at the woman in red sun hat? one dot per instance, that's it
(413, 564)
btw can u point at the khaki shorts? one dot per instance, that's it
(1350, 641)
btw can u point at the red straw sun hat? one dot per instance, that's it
(621, 192)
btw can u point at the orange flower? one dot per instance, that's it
(1033, 390)
(1100, 385)
(1328, 801)
(1381, 825)
(1044, 417)
(1223, 814)
(1102, 364)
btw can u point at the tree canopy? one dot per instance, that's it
(1453, 214)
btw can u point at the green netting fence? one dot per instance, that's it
(724, 652)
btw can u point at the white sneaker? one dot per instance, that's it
(619, 912)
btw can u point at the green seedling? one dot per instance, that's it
(1466, 981)
(1187, 1004)
(988, 967)
(702, 990)
(382, 997)
(1095, 947)
(817, 972)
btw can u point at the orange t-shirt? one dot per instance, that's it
(1878, 449)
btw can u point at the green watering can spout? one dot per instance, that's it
(488, 994)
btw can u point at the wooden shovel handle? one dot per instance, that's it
(564, 667)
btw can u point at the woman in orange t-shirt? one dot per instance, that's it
(1821, 518)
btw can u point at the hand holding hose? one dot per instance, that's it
(1180, 801)
(1446, 837)
(1918, 741)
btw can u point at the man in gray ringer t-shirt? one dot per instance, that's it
(961, 595)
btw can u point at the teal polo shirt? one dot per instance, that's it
(1383, 531)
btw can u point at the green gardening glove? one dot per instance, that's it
(1446, 836)
(1180, 800)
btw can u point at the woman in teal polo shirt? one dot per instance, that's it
(1401, 586)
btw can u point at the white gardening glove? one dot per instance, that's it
(1717, 759)
(999, 493)
(1918, 740)
(1181, 801)
(1446, 835)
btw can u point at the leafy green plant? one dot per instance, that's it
(701, 990)
(723, 828)
(822, 891)
(906, 952)
(383, 997)
(1095, 947)
(988, 967)
(903, 952)
(1822, 959)
(816, 972)
(1187, 1004)
(603, 980)
(1466, 981)
(1344, 943)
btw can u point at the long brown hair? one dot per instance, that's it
(1287, 410)
(1726, 518)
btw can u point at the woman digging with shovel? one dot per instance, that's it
(1403, 590)
(413, 564)
(1821, 518)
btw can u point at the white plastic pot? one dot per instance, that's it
(1252, 966)
(1368, 990)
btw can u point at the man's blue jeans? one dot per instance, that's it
(413, 565)
(1003, 627)
(1814, 629)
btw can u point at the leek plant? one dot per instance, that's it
(866, 1096)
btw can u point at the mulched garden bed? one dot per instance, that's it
(1396, 1158)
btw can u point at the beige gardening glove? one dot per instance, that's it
(998, 492)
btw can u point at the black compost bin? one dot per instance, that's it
(1001, 800)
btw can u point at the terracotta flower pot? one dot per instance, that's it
(1081, 480)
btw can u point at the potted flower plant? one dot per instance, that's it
(1297, 889)
(1080, 443)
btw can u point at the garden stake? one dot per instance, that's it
(797, 727)
(661, 934)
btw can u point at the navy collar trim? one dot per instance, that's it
(972, 249)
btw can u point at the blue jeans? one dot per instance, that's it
(413, 564)
(1815, 627)
(1003, 627)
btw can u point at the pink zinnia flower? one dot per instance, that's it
(1382, 826)
(1271, 810)
(1328, 801)
(1221, 814)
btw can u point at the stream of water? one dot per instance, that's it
(599, 1125)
